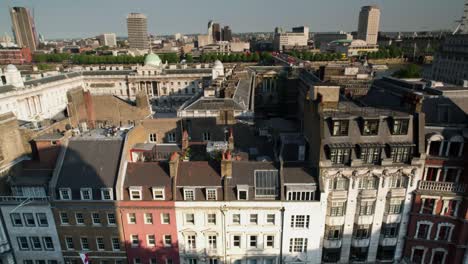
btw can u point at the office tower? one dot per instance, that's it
(24, 29)
(227, 34)
(137, 31)
(368, 28)
(297, 38)
(216, 32)
(107, 39)
(210, 29)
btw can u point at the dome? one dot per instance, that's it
(152, 60)
(11, 68)
(218, 64)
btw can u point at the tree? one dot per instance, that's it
(410, 71)
(188, 58)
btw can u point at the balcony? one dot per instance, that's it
(19, 199)
(211, 251)
(388, 241)
(331, 243)
(192, 251)
(391, 218)
(436, 186)
(368, 193)
(343, 195)
(360, 242)
(397, 192)
(364, 219)
(335, 220)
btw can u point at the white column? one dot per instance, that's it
(448, 148)
(422, 205)
(439, 170)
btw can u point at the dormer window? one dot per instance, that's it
(400, 126)
(400, 152)
(158, 193)
(339, 153)
(211, 195)
(266, 183)
(206, 136)
(135, 192)
(370, 153)
(106, 194)
(153, 138)
(242, 192)
(86, 194)
(65, 193)
(189, 194)
(371, 127)
(340, 127)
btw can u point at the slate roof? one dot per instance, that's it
(298, 174)
(147, 174)
(205, 103)
(198, 173)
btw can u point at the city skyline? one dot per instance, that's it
(164, 17)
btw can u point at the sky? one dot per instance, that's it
(86, 18)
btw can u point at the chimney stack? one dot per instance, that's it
(185, 140)
(226, 165)
(173, 164)
(231, 140)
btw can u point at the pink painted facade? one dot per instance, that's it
(135, 216)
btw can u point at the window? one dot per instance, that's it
(331, 254)
(236, 241)
(206, 136)
(212, 261)
(340, 127)
(428, 206)
(135, 193)
(300, 196)
(298, 245)
(339, 183)
(131, 217)
(370, 155)
(340, 155)
(368, 183)
(86, 194)
(386, 253)
(84, 243)
(359, 254)
(106, 194)
(211, 219)
(400, 126)
(16, 219)
(212, 243)
(29, 219)
(423, 231)
(64, 218)
(111, 219)
(417, 256)
(167, 240)
(148, 218)
(361, 231)
(337, 209)
(134, 240)
(270, 241)
(136, 261)
(42, 219)
(69, 243)
(333, 232)
(165, 218)
(400, 154)
(150, 240)
(211, 195)
(398, 181)
(394, 206)
(48, 243)
(171, 137)
(28, 261)
(266, 183)
(96, 218)
(23, 243)
(153, 138)
(115, 244)
(366, 208)
(192, 261)
(153, 261)
(253, 241)
(190, 219)
(65, 194)
(270, 219)
(242, 195)
(254, 219)
(236, 219)
(79, 218)
(371, 127)
(445, 232)
(300, 221)
(100, 243)
(158, 193)
(438, 257)
(390, 230)
(191, 242)
(189, 195)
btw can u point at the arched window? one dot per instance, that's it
(339, 183)
(368, 183)
(398, 181)
(455, 146)
(435, 145)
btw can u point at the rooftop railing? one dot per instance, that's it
(442, 186)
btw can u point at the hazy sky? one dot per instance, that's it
(78, 18)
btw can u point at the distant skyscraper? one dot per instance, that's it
(137, 31)
(227, 34)
(216, 32)
(368, 27)
(210, 29)
(24, 29)
(108, 39)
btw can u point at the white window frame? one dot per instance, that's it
(97, 244)
(256, 219)
(428, 231)
(171, 137)
(148, 240)
(208, 218)
(68, 191)
(274, 219)
(133, 245)
(246, 194)
(115, 219)
(185, 219)
(164, 241)
(250, 240)
(90, 193)
(111, 194)
(81, 243)
(434, 250)
(240, 219)
(418, 247)
(240, 240)
(76, 218)
(152, 138)
(189, 190)
(210, 240)
(157, 189)
(136, 189)
(146, 220)
(162, 218)
(112, 244)
(61, 218)
(128, 219)
(66, 243)
(452, 226)
(215, 194)
(92, 218)
(266, 240)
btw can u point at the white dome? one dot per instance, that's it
(11, 68)
(218, 64)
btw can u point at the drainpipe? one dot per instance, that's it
(223, 211)
(281, 234)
